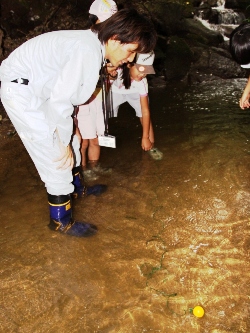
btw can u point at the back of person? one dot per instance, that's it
(41, 59)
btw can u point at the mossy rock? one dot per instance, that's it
(178, 58)
(201, 33)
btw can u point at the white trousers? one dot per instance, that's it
(28, 115)
(132, 99)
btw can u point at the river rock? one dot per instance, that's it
(185, 46)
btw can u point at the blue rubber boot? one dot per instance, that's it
(61, 218)
(82, 190)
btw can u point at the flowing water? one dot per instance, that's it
(173, 233)
(226, 19)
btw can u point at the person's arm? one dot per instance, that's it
(146, 144)
(244, 101)
(74, 85)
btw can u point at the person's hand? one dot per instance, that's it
(244, 101)
(112, 70)
(146, 144)
(66, 157)
(113, 74)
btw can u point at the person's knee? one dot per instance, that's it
(93, 142)
(85, 143)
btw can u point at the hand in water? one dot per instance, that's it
(244, 102)
(146, 144)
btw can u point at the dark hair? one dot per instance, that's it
(125, 75)
(92, 19)
(128, 26)
(240, 44)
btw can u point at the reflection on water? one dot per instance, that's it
(172, 234)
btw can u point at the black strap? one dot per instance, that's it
(25, 81)
(106, 96)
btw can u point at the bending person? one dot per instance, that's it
(44, 78)
(131, 86)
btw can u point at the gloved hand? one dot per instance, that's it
(66, 157)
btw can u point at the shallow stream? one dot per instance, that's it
(173, 233)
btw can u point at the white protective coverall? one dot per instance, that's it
(63, 69)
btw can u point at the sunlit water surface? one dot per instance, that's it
(173, 233)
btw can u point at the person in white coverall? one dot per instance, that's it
(41, 82)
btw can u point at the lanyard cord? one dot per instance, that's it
(104, 104)
(106, 97)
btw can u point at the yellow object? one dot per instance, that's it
(198, 311)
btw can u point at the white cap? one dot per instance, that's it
(103, 9)
(245, 66)
(144, 62)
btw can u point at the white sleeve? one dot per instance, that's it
(74, 85)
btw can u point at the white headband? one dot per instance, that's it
(245, 66)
